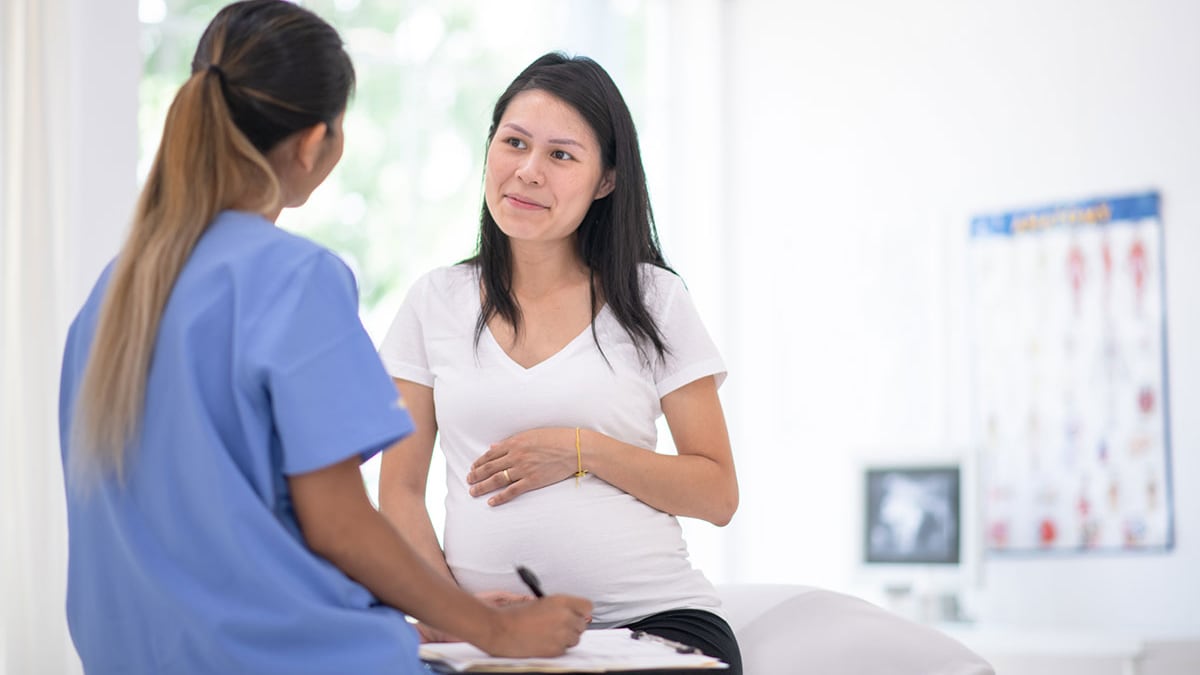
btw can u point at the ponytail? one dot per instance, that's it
(204, 165)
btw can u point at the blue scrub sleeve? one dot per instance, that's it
(330, 396)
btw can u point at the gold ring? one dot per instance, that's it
(506, 476)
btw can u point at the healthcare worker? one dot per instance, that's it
(219, 393)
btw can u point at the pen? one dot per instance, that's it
(530, 580)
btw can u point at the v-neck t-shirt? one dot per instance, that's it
(592, 539)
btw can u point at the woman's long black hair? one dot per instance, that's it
(617, 233)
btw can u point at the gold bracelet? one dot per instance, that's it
(579, 472)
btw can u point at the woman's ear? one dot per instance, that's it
(608, 183)
(308, 145)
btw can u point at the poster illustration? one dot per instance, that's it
(1070, 376)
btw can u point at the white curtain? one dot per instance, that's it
(69, 145)
(34, 178)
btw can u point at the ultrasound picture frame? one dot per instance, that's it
(913, 515)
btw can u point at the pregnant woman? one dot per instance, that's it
(544, 362)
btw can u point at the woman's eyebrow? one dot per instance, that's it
(557, 141)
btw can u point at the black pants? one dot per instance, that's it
(704, 630)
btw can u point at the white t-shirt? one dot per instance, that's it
(592, 540)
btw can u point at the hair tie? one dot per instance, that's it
(214, 68)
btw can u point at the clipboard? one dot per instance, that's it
(608, 650)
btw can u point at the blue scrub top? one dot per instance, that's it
(261, 370)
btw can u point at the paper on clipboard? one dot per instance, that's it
(598, 651)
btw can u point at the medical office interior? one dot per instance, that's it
(838, 184)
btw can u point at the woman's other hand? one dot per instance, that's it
(503, 598)
(490, 598)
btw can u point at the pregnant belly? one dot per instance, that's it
(592, 540)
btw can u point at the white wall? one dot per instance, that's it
(863, 135)
(106, 66)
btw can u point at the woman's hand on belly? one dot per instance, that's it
(522, 463)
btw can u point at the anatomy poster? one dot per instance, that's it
(1070, 375)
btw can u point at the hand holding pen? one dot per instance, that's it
(546, 627)
(535, 586)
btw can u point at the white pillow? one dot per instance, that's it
(784, 629)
